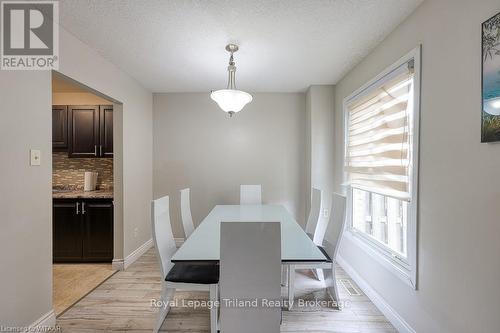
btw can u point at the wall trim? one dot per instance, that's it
(45, 321)
(131, 258)
(389, 312)
(118, 264)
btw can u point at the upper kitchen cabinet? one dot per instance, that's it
(83, 129)
(90, 131)
(59, 127)
(106, 130)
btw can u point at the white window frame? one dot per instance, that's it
(404, 268)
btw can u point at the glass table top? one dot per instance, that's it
(204, 243)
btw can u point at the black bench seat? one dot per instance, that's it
(192, 273)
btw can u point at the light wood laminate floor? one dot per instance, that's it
(123, 303)
(71, 282)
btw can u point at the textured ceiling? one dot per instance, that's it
(285, 45)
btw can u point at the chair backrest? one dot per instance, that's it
(250, 195)
(250, 269)
(187, 219)
(162, 233)
(312, 220)
(335, 226)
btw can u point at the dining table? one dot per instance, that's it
(203, 245)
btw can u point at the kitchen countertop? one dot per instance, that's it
(80, 194)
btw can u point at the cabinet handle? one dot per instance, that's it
(95, 150)
(100, 150)
(83, 208)
(77, 206)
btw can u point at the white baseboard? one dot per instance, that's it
(118, 264)
(179, 242)
(389, 312)
(131, 258)
(48, 320)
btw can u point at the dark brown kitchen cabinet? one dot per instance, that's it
(67, 230)
(98, 230)
(90, 131)
(59, 127)
(83, 129)
(106, 130)
(82, 230)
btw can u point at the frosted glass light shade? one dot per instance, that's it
(231, 100)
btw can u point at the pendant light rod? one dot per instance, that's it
(231, 69)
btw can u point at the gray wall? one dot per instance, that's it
(196, 145)
(26, 195)
(459, 209)
(85, 65)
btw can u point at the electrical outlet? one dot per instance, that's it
(325, 213)
(135, 232)
(35, 156)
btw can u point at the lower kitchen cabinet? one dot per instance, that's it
(82, 230)
(66, 232)
(98, 231)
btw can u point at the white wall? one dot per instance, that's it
(459, 211)
(320, 104)
(26, 196)
(196, 145)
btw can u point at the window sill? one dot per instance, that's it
(389, 263)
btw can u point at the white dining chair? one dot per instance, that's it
(314, 212)
(178, 276)
(329, 248)
(310, 229)
(250, 260)
(250, 195)
(187, 219)
(312, 223)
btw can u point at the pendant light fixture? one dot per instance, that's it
(231, 100)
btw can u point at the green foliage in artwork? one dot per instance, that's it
(490, 131)
(491, 37)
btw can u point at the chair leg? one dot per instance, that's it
(318, 272)
(166, 296)
(332, 289)
(214, 297)
(284, 275)
(291, 285)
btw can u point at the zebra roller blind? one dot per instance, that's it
(380, 135)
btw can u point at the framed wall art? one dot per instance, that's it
(490, 113)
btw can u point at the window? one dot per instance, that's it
(382, 218)
(381, 162)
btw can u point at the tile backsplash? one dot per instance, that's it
(69, 172)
